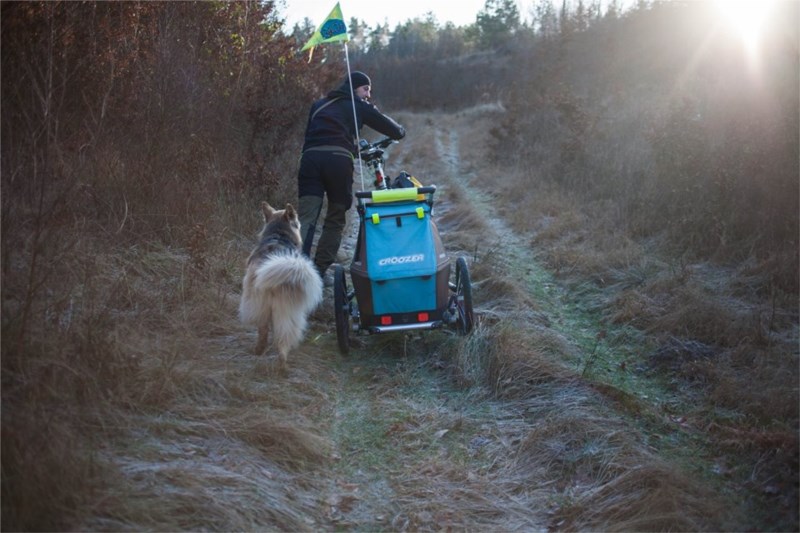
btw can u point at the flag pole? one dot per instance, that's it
(355, 118)
(333, 29)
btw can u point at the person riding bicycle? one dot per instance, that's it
(326, 165)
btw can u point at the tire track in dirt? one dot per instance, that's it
(507, 247)
(413, 448)
(513, 246)
(417, 450)
(566, 317)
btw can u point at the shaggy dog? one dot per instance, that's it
(281, 286)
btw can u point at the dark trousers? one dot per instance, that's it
(324, 174)
(308, 210)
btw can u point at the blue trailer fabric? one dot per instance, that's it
(401, 258)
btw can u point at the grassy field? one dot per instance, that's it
(594, 393)
(624, 191)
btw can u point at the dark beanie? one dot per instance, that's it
(358, 79)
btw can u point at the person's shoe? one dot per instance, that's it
(326, 276)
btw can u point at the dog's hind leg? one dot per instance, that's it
(287, 332)
(283, 358)
(263, 338)
(264, 321)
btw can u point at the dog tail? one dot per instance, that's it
(279, 290)
(291, 284)
(293, 274)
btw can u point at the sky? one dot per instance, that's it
(374, 12)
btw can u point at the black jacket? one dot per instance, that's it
(330, 121)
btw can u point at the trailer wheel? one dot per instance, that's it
(342, 310)
(463, 291)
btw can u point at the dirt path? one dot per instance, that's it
(494, 431)
(419, 447)
(449, 151)
(396, 436)
(414, 448)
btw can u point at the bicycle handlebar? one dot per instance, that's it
(384, 143)
(366, 148)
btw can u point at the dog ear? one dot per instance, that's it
(289, 213)
(267, 210)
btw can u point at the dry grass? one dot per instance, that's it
(131, 401)
(732, 377)
(752, 336)
(134, 403)
(653, 497)
(204, 483)
(524, 359)
(565, 449)
(50, 467)
(120, 386)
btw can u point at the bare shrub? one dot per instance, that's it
(708, 173)
(127, 173)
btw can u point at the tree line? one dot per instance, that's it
(658, 108)
(140, 105)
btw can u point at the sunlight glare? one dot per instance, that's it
(746, 18)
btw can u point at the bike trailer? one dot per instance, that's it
(400, 271)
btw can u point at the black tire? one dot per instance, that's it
(342, 310)
(463, 297)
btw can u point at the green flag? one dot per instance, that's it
(332, 29)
